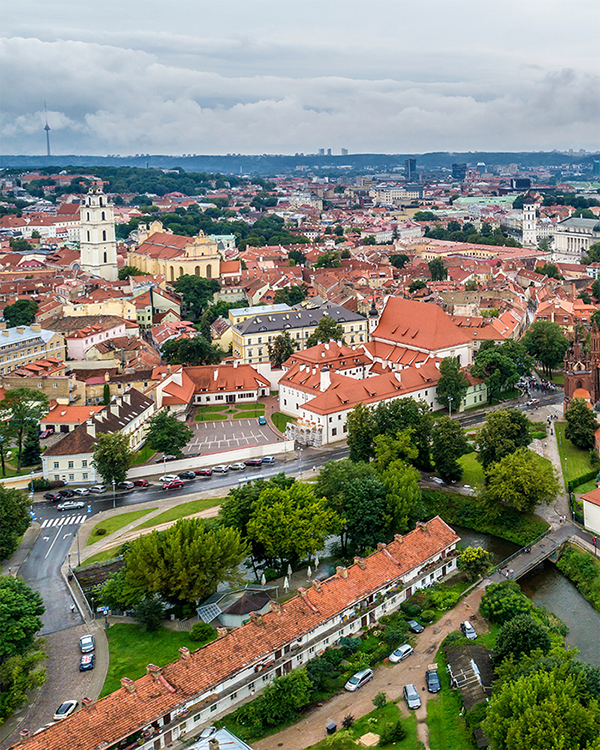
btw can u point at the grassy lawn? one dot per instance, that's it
(472, 470)
(255, 413)
(210, 417)
(180, 511)
(132, 648)
(251, 407)
(107, 554)
(447, 729)
(574, 462)
(281, 420)
(114, 523)
(216, 407)
(142, 456)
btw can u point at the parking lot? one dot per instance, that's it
(210, 437)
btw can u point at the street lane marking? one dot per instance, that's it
(52, 545)
(65, 520)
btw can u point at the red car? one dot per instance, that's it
(203, 472)
(174, 485)
(141, 483)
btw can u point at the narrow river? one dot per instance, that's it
(547, 587)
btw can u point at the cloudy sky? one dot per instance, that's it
(286, 76)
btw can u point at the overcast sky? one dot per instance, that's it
(286, 76)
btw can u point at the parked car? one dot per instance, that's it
(82, 491)
(176, 484)
(141, 483)
(168, 478)
(237, 467)
(255, 462)
(207, 732)
(66, 493)
(53, 497)
(86, 662)
(401, 653)
(203, 472)
(98, 489)
(432, 679)
(220, 469)
(86, 643)
(125, 486)
(411, 696)
(65, 709)
(46, 433)
(187, 475)
(359, 679)
(468, 630)
(414, 626)
(41, 729)
(268, 459)
(70, 505)
(262, 420)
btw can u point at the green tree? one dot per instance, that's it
(291, 295)
(503, 601)
(587, 300)
(453, 383)
(593, 253)
(581, 424)
(127, 271)
(497, 368)
(119, 593)
(361, 430)
(542, 711)
(521, 480)
(327, 330)
(297, 256)
(281, 349)
(167, 434)
(31, 448)
(196, 351)
(403, 496)
(329, 259)
(392, 417)
(7, 435)
(596, 285)
(196, 294)
(448, 444)
(25, 408)
(471, 285)
(187, 561)
(19, 245)
(21, 313)
(475, 561)
(437, 269)
(106, 394)
(365, 504)
(398, 260)
(388, 448)
(415, 285)
(281, 700)
(504, 432)
(550, 270)
(150, 613)
(112, 456)
(546, 342)
(292, 523)
(520, 636)
(14, 519)
(424, 216)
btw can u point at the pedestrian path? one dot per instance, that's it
(64, 521)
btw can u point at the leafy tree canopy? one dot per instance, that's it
(475, 561)
(281, 349)
(196, 351)
(546, 342)
(448, 445)
(504, 432)
(168, 434)
(329, 259)
(438, 270)
(550, 270)
(520, 636)
(24, 408)
(415, 285)
(453, 383)
(581, 424)
(112, 456)
(291, 295)
(127, 271)
(21, 313)
(399, 260)
(196, 294)
(327, 330)
(21, 610)
(503, 601)
(14, 519)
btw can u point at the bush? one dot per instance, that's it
(100, 532)
(428, 615)
(443, 598)
(271, 574)
(380, 700)
(348, 721)
(41, 485)
(503, 601)
(201, 632)
(452, 639)
(150, 613)
(350, 645)
(333, 656)
(392, 733)
(412, 610)
(392, 637)
(320, 670)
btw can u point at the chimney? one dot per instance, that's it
(5, 331)
(20, 329)
(127, 398)
(423, 526)
(184, 652)
(342, 572)
(360, 561)
(213, 744)
(128, 684)
(153, 670)
(221, 632)
(275, 607)
(380, 546)
(106, 376)
(216, 373)
(398, 538)
(36, 327)
(2, 325)
(90, 427)
(256, 618)
(87, 703)
(325, 379)
(317, 585)
(24, 733)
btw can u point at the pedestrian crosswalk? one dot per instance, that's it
(63, 521)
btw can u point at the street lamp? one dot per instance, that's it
(114, 499)
(450, 399)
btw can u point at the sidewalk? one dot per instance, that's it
(14, 562)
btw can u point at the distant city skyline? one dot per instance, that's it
(280, 78)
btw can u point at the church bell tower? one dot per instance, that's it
(97, 235)
(529, 223)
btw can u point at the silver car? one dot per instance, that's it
(468, 630)
(86, 643)
(220, 469)
(401, 653)
(411, 696)
(359, 679)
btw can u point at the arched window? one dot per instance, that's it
(172, 274)
(103, 216)
(88, 236)
(105, 258)
(180, 271)
(104, 235)
(209, 271)
(101, 201)
(197, 271)
(88, 215)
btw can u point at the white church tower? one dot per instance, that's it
(97, 235)
(529, 223)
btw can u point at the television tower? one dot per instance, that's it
(47, 129)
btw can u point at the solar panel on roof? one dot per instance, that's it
(209, 612)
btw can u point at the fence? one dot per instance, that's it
(578, 481)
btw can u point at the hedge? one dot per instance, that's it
(578, 481)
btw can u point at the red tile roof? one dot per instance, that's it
(213, 378)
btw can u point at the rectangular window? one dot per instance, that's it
(213, 707)
(71, 477)
(70, 465)
(84, 476)
(233, 696)
(84, 464)
(55, 465)
(197, 718)
(56, 477)
(334, 431)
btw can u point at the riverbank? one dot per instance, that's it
(583, 570)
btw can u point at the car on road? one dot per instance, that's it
(86, 662)
(168, 478)
(411, 696)
(125, 486)
(220, 469)
(207, 732)
(86, 643)
(46, 433)
(268, 459)
(141, 483)
(401, 653)
(187, 475)
(82, 491)
(176, 484)
(237, 467)
(98, 489)
(359, 679)
(203, 472)
(254, 462)
(41, 729)
(66, 493)
(414, 626)
(53, 497)
(70, 505)
(262, 420)
(468, 630)
(65, 709)
(437, 480)
(432, 679)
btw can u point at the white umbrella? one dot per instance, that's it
(316, 561)
(289, 569)
(309, 572)
(263, 579)
(286, 583)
